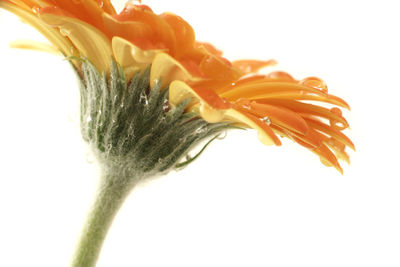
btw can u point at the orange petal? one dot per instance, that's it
(162, 34)
(184, 33)
(250, 66)
(211, 107)
(300, 95)
(279, 116)
(263, 89)
(52, 34)
(89, 41)
(331, 132)
(265, 132)
(210, 48)
(306, 108)
(327, 157)
(108, 7)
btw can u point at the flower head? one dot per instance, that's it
(220, 90)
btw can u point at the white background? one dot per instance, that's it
(241, 203)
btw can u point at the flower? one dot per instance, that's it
(221, 90)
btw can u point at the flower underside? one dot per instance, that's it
(129, 125)
(200, 82)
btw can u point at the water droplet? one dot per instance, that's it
(280, 75)
(244, 103)
(201, 130)
(143, 99)
(109, 148)
(165, 105)
(336, 111)
(338, 125)
(89, 119)
(222, 135)
(267, 120)
(35, 10)
(100, 3)
(325, 162)
(337, 144)
(65, 32)
(315, 83)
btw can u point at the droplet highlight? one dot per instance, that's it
(315, 83)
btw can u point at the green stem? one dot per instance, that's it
(110, 196)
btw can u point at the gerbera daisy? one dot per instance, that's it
(150, 91)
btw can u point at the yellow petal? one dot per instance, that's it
(52, 34)
(131, 57)
(33, 45)
(179, 91)
(90, 42)
(265, 133)
(166, 69)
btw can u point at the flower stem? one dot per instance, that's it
(111, 194)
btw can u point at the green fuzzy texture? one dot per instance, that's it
(128, 124)
(135, 134)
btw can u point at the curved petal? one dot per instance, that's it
(162, 34)
(89, 41)
(166, 69)
(33, 45)
(337, 135)
(280, 116)
(50, 33)
(131, 57)
(265, 133)
(327, 157)
(210, 106)
(299, 95)
(305, 108)
(184, 34)
(255, 90)
(251, 66)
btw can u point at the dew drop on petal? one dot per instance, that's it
(336, 111)
(244, 103)
(280, 75)
(334, 123)
(267, 120)
(100, 3)
(325, 162)
(35, 10)
(64, 32)
(337, 144)
(315, 83)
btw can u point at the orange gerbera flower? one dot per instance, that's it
(220, 90)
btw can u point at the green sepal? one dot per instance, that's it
(127, 123)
